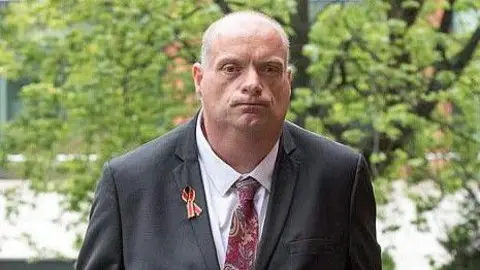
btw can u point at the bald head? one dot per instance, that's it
(241, 23)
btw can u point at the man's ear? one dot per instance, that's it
(197, 74)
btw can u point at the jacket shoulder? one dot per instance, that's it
(151, 153)
(313, 144)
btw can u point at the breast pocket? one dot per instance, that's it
(312, 254)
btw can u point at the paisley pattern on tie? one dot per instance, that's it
(243, 235)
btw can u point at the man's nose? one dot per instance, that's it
(252, 84)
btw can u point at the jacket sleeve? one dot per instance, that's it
(364, 251)
(102, 246)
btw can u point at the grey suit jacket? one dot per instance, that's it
(321, 213)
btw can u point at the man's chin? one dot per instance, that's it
(252, 123)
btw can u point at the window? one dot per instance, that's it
(10, 103)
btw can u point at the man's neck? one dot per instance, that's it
(242, 151)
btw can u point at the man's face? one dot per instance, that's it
(245, 82)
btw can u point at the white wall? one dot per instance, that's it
(411, 248)
(52, 238)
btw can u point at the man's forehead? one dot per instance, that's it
(243, 37)
(243, 20)
(260, 42)
(244, 28)
(242, 53)
(242, 32)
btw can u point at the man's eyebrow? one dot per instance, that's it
(274, 61)
(235, 60)
(227, 59)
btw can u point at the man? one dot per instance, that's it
(238, 187)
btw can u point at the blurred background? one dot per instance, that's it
(398, 80)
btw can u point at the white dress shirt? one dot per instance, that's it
(218, 179)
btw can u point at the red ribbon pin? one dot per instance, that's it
(188, 196)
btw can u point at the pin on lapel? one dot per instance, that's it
(188, 196)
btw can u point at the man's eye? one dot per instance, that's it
(230, 68)
(271, 69)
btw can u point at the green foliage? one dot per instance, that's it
(387, 261)
(463, 239)
(106, 76)
(399, 91)
(370, 86)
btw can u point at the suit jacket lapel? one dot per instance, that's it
(188, 174)
(283, 186)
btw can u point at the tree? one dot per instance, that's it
(104, 77)
(379, 75)
(400, 87)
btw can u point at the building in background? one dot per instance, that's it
(10, 103)
(9, 98)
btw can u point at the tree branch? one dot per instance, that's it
(338, 60)
(331, 73)
(191, 13)
(343, 71)
(446, 23)
(454, 130)
(458, 62)
(226, 9)
(408, 15)
(445, 27)
(188, 49)
(238, 3)
(457, 65)
(444, 63)
(299, 38)
(361, 44)
(301, 27)
(462, 58)
(354, 85)
(471, 193)
(395, 11)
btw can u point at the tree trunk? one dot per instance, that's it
(301, 25)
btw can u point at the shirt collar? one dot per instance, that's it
(221, 174)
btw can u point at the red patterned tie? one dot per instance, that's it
(243, 237)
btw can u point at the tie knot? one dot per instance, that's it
(247, 188)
